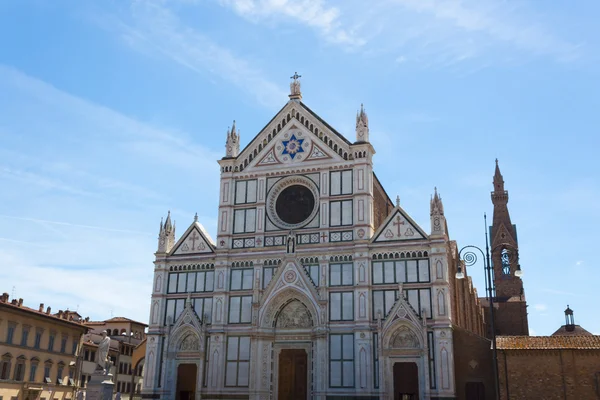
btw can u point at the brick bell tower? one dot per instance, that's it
(511, 311)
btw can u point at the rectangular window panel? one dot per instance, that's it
(191, 282)
(181, 283)
(251, 192)
(238, 361)
(250, 220)
(348, 306)
(239, 219)
(180, 305)
(411, 271)
(341, 360)
(335, 306)
(240, 192)
(210, 281)
(378, 305)
(347, 274)
(347, 182)
(336, 183)
(383, 301)
(400, 271)
(240, 309)
(170, 314)
(172, 283)
(335, 213)
(313, 272)
(268, 273)
(425, 302)
(423, 270)
(246, 309)
(200, 281)
(413, 299)
(377, 272)
(234, 310)
(347, 212)
(335, 274)
(388, 272)
(241, 279)
(341, 274)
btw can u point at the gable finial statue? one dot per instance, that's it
(291, 243)
(232, 145)
(362, 125)
(295, 93)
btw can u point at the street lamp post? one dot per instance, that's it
(470, 258)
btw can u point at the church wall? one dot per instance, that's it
(473, 362)
(549, 374)
(303, 263)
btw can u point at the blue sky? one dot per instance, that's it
(113, 112)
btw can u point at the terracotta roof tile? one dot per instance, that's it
(54, 317)
(547, 342)
(574, 330)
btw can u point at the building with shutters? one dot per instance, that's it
(317, 286)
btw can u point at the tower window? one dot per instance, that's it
(505, 258)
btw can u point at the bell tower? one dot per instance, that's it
(511, 315)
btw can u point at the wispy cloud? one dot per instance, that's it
(540, 307)
(432, 33)
(155, 29)
(315, 14)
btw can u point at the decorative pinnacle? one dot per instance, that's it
(397, 201)
(295, 93)
(196, 217)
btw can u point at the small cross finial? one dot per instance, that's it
(196, 217)
(397, 201)
(295, 76)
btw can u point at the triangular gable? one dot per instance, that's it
(401, 310)
(188, 317)
(195, 240)
(398, 226)
(271, 146)
(290, 273)
(503, 235)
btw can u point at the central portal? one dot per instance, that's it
(293, 376)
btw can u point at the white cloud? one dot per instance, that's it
(313, 13)
(532, 332)
(540, 307)
(155, 29)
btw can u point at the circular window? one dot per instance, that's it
(295, 204)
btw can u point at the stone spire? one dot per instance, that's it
(436, 205)
(436, 212)
(499, 181)
(166, 235)
(295, 93)
(362, 125)
(232, 145)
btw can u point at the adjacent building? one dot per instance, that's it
(564, 366)
(39, 351)
(318, 285)
(125, 334)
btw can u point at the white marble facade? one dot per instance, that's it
(310, 255)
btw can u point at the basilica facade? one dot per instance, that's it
(318, 285)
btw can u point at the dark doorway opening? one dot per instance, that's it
(292, 384)
(406, 381)
(475, 391)
(186, 382)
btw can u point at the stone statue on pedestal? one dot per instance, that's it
(102, 363)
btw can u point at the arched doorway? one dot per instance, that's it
(292, 374)
(406, 381)
(186, 382)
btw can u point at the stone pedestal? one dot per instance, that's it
(100, 387)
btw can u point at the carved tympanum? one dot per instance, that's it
(294, 315)
(189, 343)
(404, 338)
